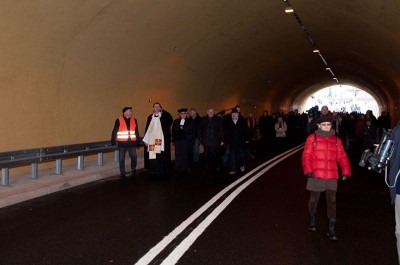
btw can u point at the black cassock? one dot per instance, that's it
(183, 137)
(161, 164)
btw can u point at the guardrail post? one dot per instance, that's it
(116, 155)
(59, 166)
(4, 177)
(80, 162)
(100, 159)
(34, 170)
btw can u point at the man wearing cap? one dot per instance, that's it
(183, 133)
(126, 134)
(236, 134)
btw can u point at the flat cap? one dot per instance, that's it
(125, 109)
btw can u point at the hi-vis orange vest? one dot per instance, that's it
(123, 134)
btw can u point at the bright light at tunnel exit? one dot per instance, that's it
(343, 99)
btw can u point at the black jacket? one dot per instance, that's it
(211, 131)
(186, 132)
(237, 134)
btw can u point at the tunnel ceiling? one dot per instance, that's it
(250, 52)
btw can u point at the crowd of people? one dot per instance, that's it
(227, 137)
(226, 140)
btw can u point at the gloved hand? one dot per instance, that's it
(310, 175)
(344, 177)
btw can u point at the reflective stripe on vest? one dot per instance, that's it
(123, 134)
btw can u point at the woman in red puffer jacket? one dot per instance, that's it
(322, 152)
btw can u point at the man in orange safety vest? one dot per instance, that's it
(126, 135)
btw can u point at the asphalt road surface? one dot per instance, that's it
(257, 217)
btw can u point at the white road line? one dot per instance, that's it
(178, 252)
(146, 259)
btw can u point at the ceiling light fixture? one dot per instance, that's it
(289, 9)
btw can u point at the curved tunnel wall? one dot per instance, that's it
(68, 67)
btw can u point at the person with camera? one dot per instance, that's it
(323, 150)
(394, 182)
(313, 115)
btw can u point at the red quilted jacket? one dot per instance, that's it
(321, 158)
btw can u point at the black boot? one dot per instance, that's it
(331, 229)
(312, 226)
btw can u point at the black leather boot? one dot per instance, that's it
(312, 226)
(331, 230)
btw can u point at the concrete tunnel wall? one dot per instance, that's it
(67, 68)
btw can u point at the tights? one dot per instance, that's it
(330, 202)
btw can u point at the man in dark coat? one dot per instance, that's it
(212, 137)
(265, 122)
(126, 134)
(368, 133)
(183, 136)
(195, 117)
(157, 155)
(236, 135)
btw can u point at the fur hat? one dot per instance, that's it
(324, 118)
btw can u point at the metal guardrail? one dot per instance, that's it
(56, 153)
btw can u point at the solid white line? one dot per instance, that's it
(178, 252)
(152, 253)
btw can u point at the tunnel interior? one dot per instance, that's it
(67, 68)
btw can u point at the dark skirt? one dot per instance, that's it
(314, 184)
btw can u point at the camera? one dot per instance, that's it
(313, 112)
(377, 161)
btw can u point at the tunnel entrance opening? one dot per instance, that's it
(342, 98)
